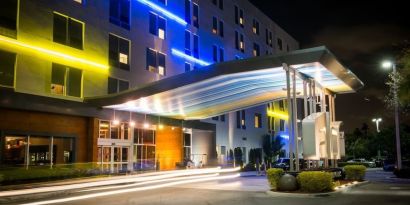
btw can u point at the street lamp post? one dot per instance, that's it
(389, 64)
(377, 121)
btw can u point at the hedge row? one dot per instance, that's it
(315, 181)
(355, 172)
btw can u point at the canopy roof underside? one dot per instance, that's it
(234, 85)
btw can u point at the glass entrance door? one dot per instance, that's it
(113, 158)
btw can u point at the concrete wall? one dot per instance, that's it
(203, 146)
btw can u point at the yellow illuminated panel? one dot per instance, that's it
(15, 44)
(279, 115)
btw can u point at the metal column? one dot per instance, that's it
(295, 122)
(28, 152)
(290, 123)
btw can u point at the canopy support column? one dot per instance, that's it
(290, 117)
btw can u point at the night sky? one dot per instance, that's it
(361, 34)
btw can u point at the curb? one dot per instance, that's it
(315, 195)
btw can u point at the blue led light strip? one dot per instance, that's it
(163, 11)
(189, 58)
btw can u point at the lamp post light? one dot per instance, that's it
(390, 64)
(377, 121)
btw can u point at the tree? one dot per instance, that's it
(238, 156)
(404, 70)
(271, 147)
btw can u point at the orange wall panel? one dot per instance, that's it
(169, 147)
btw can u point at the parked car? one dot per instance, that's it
(389, 165)
(370, 164)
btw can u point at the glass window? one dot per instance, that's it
(196, 46)
(280, 45)
(163, 2)
(238, 119)
(8, 14)
(157, 25)
(15, 150)
(114, 130)
(187, 140)
(221, 4)
(241, 43)
(117, 154)
(151, 60)
(161, 64)
(215, 53)
(281, 105)
(188, 11)
(241, 19)
(215, 2)
(258, 120)
(124, 154)
(68, 31)
(8, 61)
(156, 62)
(104, 131)
(119, 51)
(187, 67)
(221, 28)
(236, 40)
(123, 85)
(214, 25)
(195, 15)
(120, 13)
(221, 55)
(187, 42)
(215, 118)
(236, 15)
(222, 118)
(282, 125)
(243, 120)
(74, 82)
(112, 85)
(255, 28)
(256, 50)
(66, 80)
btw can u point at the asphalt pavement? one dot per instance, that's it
(383, 188)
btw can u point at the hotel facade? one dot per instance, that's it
(87, 81)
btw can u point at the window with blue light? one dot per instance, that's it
(256, 50)
(187, 67)
(215, 53)
(221, 55)
(157, 25)
(162, 2)
(282, 125)
(195, 15)
(187, 42)
(196, 46)
(156, 62)
(188, 11)
(120, 13)
(119, 52)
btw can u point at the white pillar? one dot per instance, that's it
(290, 124)
(305, 98)
(295, 122)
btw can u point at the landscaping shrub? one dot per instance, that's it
(249, 167)
(315, 181)
(402, 173)
(343, 164)
(273, 176)
(355, 172)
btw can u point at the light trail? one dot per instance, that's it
(132, 190)
(150, 182)
(128, 179)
